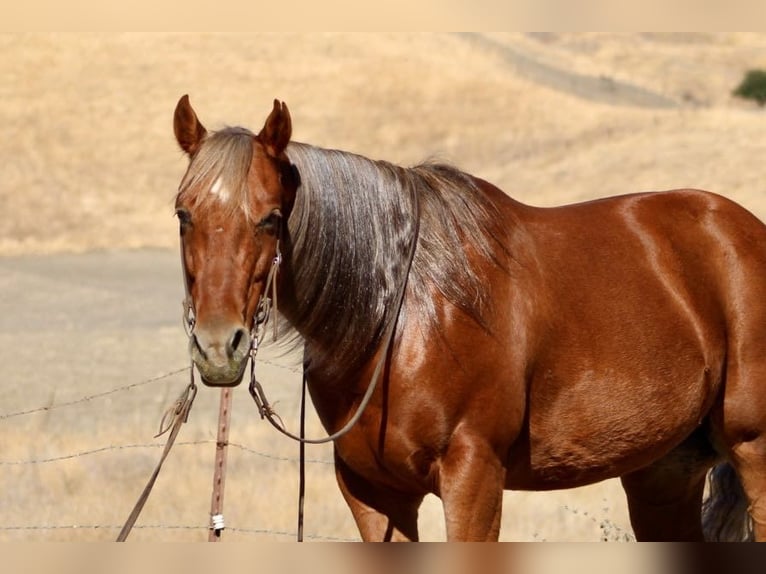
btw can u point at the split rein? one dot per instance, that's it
(265, 307)
(178, 413)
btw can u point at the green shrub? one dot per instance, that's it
(753, 87)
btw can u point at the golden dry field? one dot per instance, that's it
(89, 279)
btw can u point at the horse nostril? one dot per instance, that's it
(197, 346)
(236, 342)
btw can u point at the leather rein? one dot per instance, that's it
(268, 302)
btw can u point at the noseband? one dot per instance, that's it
(266, 302)
(262, 310)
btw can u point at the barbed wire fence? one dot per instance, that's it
(610, 530)
(90, 398)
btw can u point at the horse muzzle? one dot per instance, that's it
(220, 355)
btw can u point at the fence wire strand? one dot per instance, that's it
(112, 448)
(109, 448)
(236, 529)
(88, 398)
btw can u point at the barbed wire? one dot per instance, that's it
(610, 530)
(237, 529)
(277, 457)
(79, 454)
(131, 386)
(88, 398)
(112, 448)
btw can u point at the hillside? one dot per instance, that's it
(90, 161)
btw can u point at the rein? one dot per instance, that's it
(171, 421)
(262, 316)
(173, 418)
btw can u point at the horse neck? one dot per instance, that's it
(348, 238)
(349, 241)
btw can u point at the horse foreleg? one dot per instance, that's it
(381, 514)
(471, 480)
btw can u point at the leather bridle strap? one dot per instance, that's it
(180, 414)
(256, 390)
(176, 415)
(189, 314)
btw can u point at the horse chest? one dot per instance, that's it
(389, 455)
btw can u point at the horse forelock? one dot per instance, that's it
(350, 233)
(217, 175)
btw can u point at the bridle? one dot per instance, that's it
(267, 304)
(262, 310)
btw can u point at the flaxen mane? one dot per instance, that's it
(350, 233)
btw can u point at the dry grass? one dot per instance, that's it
(89, 162)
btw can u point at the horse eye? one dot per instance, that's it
(184, 217)
(271, 222)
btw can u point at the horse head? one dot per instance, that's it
(232, 206)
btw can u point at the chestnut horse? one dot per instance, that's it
(534, 348)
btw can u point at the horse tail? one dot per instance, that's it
(725, 517)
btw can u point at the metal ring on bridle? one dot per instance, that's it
(189, 318)
(266, 302)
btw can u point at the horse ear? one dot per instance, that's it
(188, 129)
(277, 130)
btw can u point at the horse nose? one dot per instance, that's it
(238, 344)
(220, 353)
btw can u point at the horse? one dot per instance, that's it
(517, 347)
